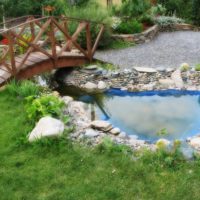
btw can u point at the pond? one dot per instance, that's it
(151, 115)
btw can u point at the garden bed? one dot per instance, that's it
(151, 33)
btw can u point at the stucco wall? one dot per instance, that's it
(115, 2)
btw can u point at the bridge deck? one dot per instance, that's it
(47, 44)
(35, 59)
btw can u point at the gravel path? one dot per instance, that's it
(166, 50)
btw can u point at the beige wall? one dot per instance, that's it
(115, 2)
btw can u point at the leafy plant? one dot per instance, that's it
(129, 27)
(45, 105)
(168, 20)
(196, 12)
(159, 9)
(23, 88)
(197, 67)
(162, 132)
(134, 8)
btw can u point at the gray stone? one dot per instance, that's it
(46, 127)
(145, 69)
(115, 131)
(91, 67)
(123, 135)
(195, 142)
(90, 87)
(134, 137)
(67, 99)
(176, 77)
(91, 133)
(166, 83)
(101, 125)
(102, 85)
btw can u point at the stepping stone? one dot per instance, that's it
(145, 69)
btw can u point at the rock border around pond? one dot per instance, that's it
(133, 80)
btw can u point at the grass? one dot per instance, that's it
(58, 169)
(119, 44)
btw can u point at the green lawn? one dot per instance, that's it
(59, 170)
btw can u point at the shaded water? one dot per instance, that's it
(151, 115)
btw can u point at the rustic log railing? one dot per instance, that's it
(46, 38)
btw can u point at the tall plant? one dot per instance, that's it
(196, 12)
(134, 8)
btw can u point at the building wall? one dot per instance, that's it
(115, 2)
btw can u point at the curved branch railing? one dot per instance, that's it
(50, 36)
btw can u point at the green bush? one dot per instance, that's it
(146, 19)
(45, 105)
(196, 12)
(168, 20)
(92, 12)
(181, 8)
(129, 27)
(197, 67)
(134, 8)
(23, 88)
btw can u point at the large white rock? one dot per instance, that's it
(81, 113)
(176, 77)
(145, 69)
(195, 142)
(102, 85)
(166, 83)
(90, 87)
(90, 133)
(47, 127)
(101, 125)
(67, 99)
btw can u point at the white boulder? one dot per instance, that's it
(47, 127)
(145, 69)
(102, 85)
(67, 99)
(90, 87)
(166, 83)
(195, 142)
(90, 133)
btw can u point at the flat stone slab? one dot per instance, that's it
(145, 69)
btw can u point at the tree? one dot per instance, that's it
(196, 12)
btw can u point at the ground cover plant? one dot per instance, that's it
(59, 169)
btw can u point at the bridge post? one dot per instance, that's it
(11, 52)
(53, 42)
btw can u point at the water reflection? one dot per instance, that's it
(145, 114)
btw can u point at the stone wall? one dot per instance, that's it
(152, 32)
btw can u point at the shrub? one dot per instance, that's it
(157, 10)
(93, 12)
(197, 67)
(167, 20)
(196, 12)
(134, 8)
(182, 8)
(23, 88)
(129, 27)
(45, 105)
(146, 19)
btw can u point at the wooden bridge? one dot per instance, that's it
(40, 44)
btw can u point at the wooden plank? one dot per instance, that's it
(39, 55)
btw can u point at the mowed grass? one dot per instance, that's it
(58, 170)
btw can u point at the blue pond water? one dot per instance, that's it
(145, 114)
